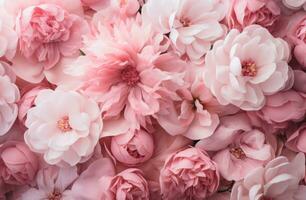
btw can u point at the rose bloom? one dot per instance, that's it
(47, 31)
(124, 71)
(246, 67)
(133, 147)
(9, 95)
(192, 25)
(127, 185)
(282, 108)
(238, 148)
(296, 35)
(63, 126)
(189, 174)
(18, 165)
(52, 183)
(243, 13)
(278, 180)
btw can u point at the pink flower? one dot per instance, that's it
(192, 25)
(128, 184)
(239, 148)
(282, 108)
(193, 114)
(189, 174)
(52, 183)
(278, 180)
(27, 101)
(18, 165)
(297, 141)
(47, 32)
(9, 96)
(295, 4)
(133, 147)
(124, 71)
(63, 126)
(296, 35)
(243, 13)
(246, 67)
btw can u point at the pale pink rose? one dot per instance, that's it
(297, 141)
(127, 185)
(47, 31)
(243, 13)
(239, 148)
(246, 67)
(63, 126)
(52, 183)
(282, 108)
(124, 71)
(27, 101)
(278, 180)
(189, 174)
(133, 147)
(296, 35)
(193, 114)
(192, 25)
(9, 96)
(18, 165)
(295, 4)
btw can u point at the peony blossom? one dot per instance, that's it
(192, 25)
(278, 180)
(124, 71)
(246, 67)
(9, 95)
(133, 147)
(63, 126)
(47, 32)
(52, 183)
(238, 147)
(189, 174)
(194, 114)
(18, 165)
(243, 13)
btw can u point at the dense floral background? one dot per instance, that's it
(155, 99)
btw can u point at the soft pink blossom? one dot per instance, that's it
(192, 25)
(242, 13)
(47, 31)
(193, 113)
(239, 148)
(52, 183)
(282, 108)
(9, 96)
(128, 184)
(18, 165)
(278, 180)
(246, 67)
(133, 147)
(296, 35)
(124, 71)
(63, 126)
(189, 174)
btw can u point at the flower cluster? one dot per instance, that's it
(152, 99)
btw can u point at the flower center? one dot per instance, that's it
(130, 76)
(63, 124)
(131, 149)
(55, 195)
(249, 68)
(237, 152)
(185, 21)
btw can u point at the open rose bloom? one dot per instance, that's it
(152, 99)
